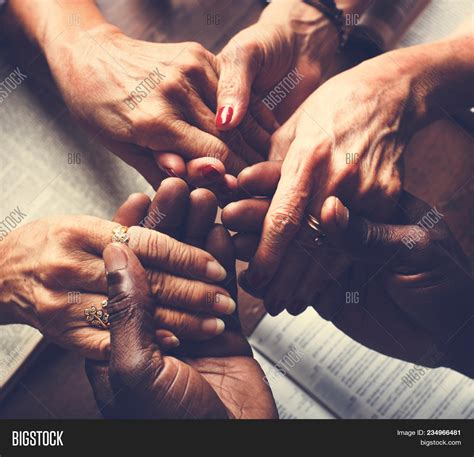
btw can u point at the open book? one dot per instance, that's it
(50, 167)
(317, 372)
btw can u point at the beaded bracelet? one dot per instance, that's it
(335, 15)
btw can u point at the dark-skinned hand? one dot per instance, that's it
(211, 379)
(408, 291)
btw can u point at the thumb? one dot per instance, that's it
(237, 73)
(366, 240)
(131, 316)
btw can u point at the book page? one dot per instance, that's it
(17, 342)
(292, 402)
(356, 382)
(439, 19)
(49, 167)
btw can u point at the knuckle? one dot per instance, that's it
(184, 293)
(284, 222)
(121, 307)
(64, 230)
(48, 305)
(126, 131)
(222, 152)
(391, 187)
(229, 85)
(172, 320)
(55, 268)
(227, 56)
(373, 235)
(158, 285)
(154, 245)
(196, 49)
(184, 257)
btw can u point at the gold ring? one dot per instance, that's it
(120, 235)
(98, 318)
(316, 226)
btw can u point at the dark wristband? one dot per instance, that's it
(335, 15)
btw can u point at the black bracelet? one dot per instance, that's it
(335, 15)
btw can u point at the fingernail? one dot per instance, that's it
(224, 304)
(115, 259)
(224, 115)
(169, 171)
(170, 341)
(342, 214)
(210, 172)
(214, 271)
(213, 326)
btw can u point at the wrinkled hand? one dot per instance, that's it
(142, 382)
(345, 140)
(54, 275)
(291, 40)
(151, 103)
(408, 291)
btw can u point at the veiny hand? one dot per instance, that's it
(408, 290)
(151, 103)
(304, 276)
(142, 382)
(345, 140)
(52, 269)
(291, 40)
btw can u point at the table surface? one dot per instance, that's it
(439, 169)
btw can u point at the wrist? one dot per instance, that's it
(313, 36)
(67, 56)
(439, 77)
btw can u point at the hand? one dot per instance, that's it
(394, 296)
(328, 149)
(52, 270)
(142, 382)
(186, 311)
(291, 40)
(150, 103)
(409, 292)
(295, 286)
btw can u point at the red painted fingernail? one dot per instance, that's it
(210, 172)
(224, 115)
